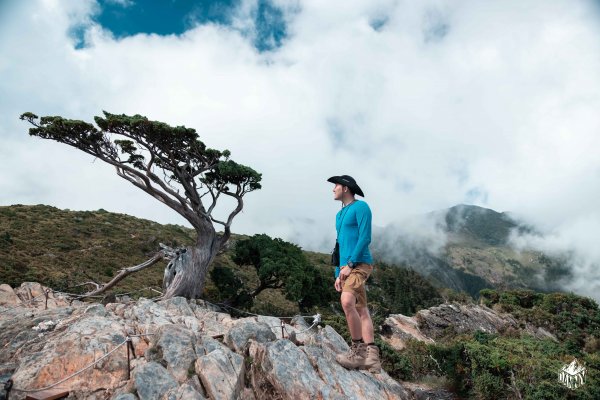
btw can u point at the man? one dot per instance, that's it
(353, 225)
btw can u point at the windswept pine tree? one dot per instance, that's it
(175, 167)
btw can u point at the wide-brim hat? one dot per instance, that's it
(347, 180)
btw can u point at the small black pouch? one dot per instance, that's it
(335, 255)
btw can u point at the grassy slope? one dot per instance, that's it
(62, 248)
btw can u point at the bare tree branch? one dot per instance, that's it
(124, 273)
(227, 231)
(88, 283)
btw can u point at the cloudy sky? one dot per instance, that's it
(427, 104)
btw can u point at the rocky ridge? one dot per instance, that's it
(181, 350)
(447, 319)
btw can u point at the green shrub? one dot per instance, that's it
(395, 363)
(488, 386)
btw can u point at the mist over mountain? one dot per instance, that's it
(468, 248)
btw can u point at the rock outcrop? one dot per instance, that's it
(449, 319)
(32, 295)
(181, 350)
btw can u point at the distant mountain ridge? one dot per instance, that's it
(482, 224)
(478, 223)
(468, 248)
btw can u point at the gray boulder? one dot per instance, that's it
(147, 316)
(280, 369)
(96, 309)
(222, 373)
(354, 385)
(152, 381)
(213, 323)
(174, 346)
(206, 344)
(246, 329)
(185, 392)
(177, 307)
(329, 339)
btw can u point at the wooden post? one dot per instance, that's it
(282, 328)
(7, 386)
(130, 344)
(46, 295)
(128, 359)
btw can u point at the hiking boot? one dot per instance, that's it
(355, 358)
(372, 361)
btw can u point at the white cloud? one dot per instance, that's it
(122, 3)
(577, 241)
(442, 103)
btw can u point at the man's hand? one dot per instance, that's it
(344, 272)
(339, 282)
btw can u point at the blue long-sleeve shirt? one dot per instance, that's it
(353, 225)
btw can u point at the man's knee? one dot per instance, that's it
(348, 301)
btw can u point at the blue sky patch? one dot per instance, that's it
(77, 32)
(165, 17)
(270, 27)
(173, 17)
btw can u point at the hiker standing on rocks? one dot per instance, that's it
(353, 225)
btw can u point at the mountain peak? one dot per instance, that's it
(482, 224)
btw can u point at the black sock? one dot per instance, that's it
(371, 344)
(357, 341)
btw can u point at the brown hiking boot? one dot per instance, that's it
(372, 361)
(355, 358)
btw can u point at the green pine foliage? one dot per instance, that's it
(575, 320)
(278, 265)
(398, 290)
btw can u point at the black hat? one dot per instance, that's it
(347, 180)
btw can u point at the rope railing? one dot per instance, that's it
(221, 305)
(316, 318)
(23, 303)
(73, 374)
(75, 296)
(9, 384)
(127, 341)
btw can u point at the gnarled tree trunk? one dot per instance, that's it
(185, 275)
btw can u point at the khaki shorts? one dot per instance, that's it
(355, 283)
